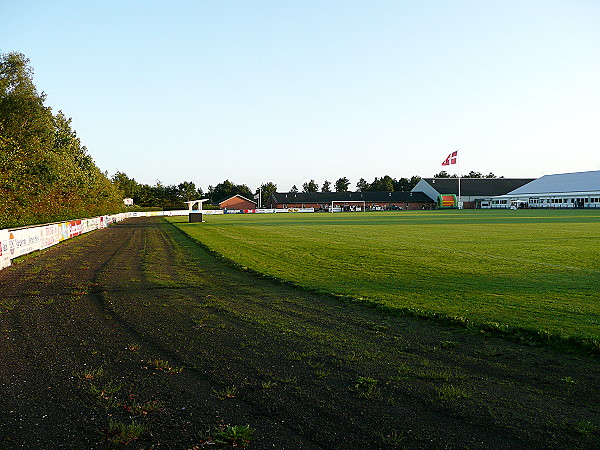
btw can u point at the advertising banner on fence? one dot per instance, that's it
(179, 212)
(93, 224)
(86, 225)
(26, 240)
(50, 235)
(90, 224)
(63, 229)
(15, 243)
(4, 253)
(75, 228)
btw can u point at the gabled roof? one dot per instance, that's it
(233, 196)
(562, 182)
(367, 196)
(477, 186)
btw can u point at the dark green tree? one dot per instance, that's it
(414, 180)
(187, 191)
(401, 184)
(310, 186)
(385, 183)
(228, 189)
(362, 185)
(127, 185)
(266, 190)
(326, 186)
(294, 189)
(341, 185)
(444, 174)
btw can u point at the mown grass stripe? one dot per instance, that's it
(534, 271)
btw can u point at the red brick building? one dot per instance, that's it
(237, 202)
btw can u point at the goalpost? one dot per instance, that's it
(344, 205)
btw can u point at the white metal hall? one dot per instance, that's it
(564, 190)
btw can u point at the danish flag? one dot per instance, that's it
(451, 159)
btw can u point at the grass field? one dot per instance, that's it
(507, 270)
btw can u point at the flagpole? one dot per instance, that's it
(458, 164)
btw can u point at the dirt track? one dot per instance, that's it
(308, 371)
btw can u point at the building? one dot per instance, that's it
(474, 192)
(374, 200)
(236, 202)
(564, 190)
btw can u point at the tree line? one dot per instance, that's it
(46, 174)
(173, 196)
(385, 183)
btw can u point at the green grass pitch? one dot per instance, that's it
(528, 269)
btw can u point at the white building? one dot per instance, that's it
(563, 190)
(474, 192)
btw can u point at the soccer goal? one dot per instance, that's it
(347, 205)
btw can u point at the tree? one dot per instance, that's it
(266, 190)
(67, 142)
(414, 180)
(187, 191)
(46, 174)
(127, 185)
(473, 174)
(294, 189)
(310, 186)
(385, 183)
(341, 185)
(490, 175)
(401, 184)
(326, 186)
(228, 189)
(23, 116)
(362, 185)
(443, 174)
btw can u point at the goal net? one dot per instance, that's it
(347, 205)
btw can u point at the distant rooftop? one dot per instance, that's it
(562, 182)
(367, 196)
(477, 186)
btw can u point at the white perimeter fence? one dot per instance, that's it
(20, 241)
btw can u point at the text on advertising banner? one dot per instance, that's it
(50, 235)
(26, 240)
(4, 252)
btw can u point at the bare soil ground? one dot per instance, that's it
(90, 328)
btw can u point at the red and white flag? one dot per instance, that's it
(451, 159)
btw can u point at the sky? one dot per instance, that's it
(288, 91)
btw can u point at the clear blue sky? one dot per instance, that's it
(288, 91)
